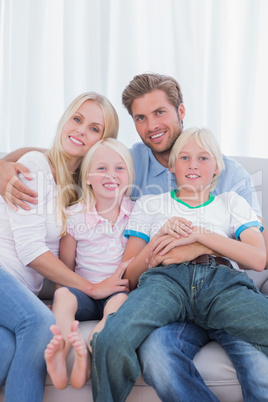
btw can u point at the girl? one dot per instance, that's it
(210, 291)
(92, 247)
(29, 245)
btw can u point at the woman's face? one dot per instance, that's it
(83, 130)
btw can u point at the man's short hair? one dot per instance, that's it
(145, 83)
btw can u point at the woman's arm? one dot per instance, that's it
(48, 265)
(51, 267)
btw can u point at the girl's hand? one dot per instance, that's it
(113, 284)
(177, 227)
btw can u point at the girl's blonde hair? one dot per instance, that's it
(88, 196)
(68, 182)
(206, 140)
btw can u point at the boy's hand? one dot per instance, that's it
(13, 191)
(178, 255)
(163, 244)
(177, 227)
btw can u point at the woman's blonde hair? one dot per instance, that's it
(88, 196)
(68, 182)
(206, 140)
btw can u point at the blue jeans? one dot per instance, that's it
(88, 308)
(166, 362)
(211, 296)
(24, 335)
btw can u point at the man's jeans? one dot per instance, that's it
(166, 359)
(24, 334)
(212, 297)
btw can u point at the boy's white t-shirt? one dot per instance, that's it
(227, 214)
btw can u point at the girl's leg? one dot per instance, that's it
(81, 369)
(111, 306)
(82, 361)
(23, 314)
(69, 304)
(64, 308)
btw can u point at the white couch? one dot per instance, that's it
(212, 362)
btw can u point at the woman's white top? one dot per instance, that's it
(25, 235)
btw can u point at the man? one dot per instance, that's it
(156, 104)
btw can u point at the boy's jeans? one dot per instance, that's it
(212, 297)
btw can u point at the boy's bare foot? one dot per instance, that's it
(82, 362)
(56, 360)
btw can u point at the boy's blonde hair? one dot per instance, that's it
(206, 140)
(88, 196)
(67, 182)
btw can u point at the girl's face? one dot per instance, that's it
(108, 175)
(83, 130)
(194, 168)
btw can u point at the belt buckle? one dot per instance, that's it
(203, 259)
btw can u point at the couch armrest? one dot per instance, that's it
(260, 279)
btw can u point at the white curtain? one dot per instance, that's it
(53, 50)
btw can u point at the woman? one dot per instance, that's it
(29, 243)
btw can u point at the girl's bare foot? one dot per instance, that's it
(56, 360)
(82, 362)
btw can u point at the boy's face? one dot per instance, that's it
(194, 168)
(157, 122)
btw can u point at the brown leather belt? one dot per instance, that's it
(206, 259)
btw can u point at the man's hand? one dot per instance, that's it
(13, 191)
(178, 255)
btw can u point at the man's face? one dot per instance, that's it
(157, 121)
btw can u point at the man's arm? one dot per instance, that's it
(14, 156)
(11, 189)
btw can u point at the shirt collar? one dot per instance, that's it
(92, 217)
(156, 167)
